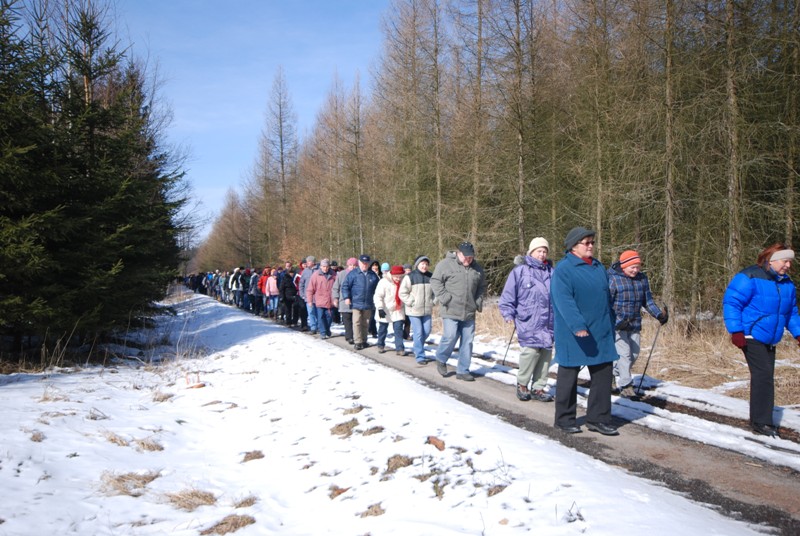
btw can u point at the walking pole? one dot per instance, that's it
(509, 343)
(639, 389)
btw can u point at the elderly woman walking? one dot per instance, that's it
(759, 304)
(526, 302)
(584, 334)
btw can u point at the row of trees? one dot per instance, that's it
(90, 195)
(669, 126)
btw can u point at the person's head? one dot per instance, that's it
(375, 267)
(422, 263)
(397, 273)
(363, 262)
(325, 265)
(407, 268)
(630, 262)
(465, 253)
(777, 257)
(287, 265)
(311, 260)
(352, 262)
(385, 267)
(539, 249)
(580, 242)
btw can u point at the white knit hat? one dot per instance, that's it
(537, 243)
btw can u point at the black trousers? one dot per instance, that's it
(302, 311)
(598, 407)
(347, 320)
(761, 362)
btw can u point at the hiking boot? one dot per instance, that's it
(602, 428)
(358, 346)
(400, 352)
(523, 393)
(466, 377)
(441, 368)
(381, 350)
(541, 396)
(422, 363)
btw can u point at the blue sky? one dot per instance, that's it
(218, 61)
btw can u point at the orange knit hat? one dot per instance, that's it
(629, 258)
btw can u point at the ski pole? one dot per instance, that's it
(639, 389)
(509, 343)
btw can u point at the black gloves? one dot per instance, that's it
(381, 313)
(664, 316)
(624, 325)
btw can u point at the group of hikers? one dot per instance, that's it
(577, 312)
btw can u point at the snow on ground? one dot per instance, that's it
(295, 436)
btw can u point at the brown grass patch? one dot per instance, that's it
(116, 439)
(396, 462)
(373, 510)
(494, 490)
(252, 455)
(335, 491)
(52, 395)
(354, 410)
(158, 396)
(37, 436)
(344, 429)
(247, 502)
(373, 430)
(149, 445)
(229, 524)
(191, 499)
(131, 484)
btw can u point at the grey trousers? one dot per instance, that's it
(628, 344)
(534, 363)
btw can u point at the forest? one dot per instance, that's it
(668, 126)
(91, 197)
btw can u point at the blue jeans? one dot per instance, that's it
(420, 330)
(312, 316)
(452, 331)
(323, 321)
(397, 327)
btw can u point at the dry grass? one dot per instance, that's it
(373, 510)
(229, 524)
(247, 502)
(252, 455)
(148, 445)
(131, 484)
(704, 360)
(116, 439)
(344, 429)
(191, 499)
(37, 436)
(159, 396)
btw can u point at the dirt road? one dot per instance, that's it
(740, 486)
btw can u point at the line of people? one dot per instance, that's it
(578, 314)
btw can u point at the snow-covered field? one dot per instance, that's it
(257, 425)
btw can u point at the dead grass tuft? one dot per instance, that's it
(398, 461)
(252, 455)
(116, 439)
(354, 410)
(191, 499)
(373, 430)
(344, 429)
(494, 490)
(148, 444)
(373, 510)
(159, 396)
(51, 395)
(37, 436)
(335, 491)
(131, 484)
(247, 502)
(229, 524)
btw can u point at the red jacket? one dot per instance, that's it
(319, 289)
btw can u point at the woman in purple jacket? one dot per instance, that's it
(526, 302)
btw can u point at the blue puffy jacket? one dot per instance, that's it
(359, 288)
(761, 304)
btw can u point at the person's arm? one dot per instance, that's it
(564, 301)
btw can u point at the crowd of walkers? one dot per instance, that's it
(578, 314)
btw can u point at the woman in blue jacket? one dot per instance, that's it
(584, 334)
(759, 304)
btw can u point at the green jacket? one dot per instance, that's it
(458, 289)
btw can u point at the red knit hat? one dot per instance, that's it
(397, 270)
(629, 258)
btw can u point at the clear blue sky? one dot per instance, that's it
(218, 61)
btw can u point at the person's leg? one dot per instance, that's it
(566, 396)
(525, 371)
(467, 330)
(397, 326)
(325, 319)
(761, 362)
(448, 341)
(418, 336)
(383, 329)
(312, 317)
(541, 368)
(347, 321)
(622, 367)
(598, 406)
(303, 310)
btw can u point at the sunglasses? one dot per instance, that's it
(589, 243)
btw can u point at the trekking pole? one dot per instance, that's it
(509, 343)
(639, 389)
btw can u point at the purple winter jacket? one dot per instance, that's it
(526, 300)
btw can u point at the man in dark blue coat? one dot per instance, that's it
(357, 291)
